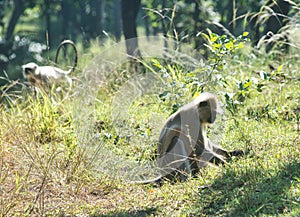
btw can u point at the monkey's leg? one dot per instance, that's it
(70, 82)
(36, 92)
(184, 157)
(176, 159)
(211, 153)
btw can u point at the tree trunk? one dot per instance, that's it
(98, 17)
(117, 19)
(196, 23)
(65, 18)
(147, 24)
(130, 10)
(48, 23)
(5, 48)
(102, 16)
(229, 8)
(19, 8)
(281, 9)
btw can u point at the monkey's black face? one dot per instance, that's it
(212, 117)
(29, 68)
(28, 71)
(207, 111)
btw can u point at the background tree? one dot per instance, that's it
(69, 19)
(117, 19)
(278, 11)
(130, 10)
(6, 45)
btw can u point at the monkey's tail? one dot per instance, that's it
(63, 43)
(156, 180)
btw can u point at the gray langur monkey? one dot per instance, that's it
(41, 76)
(183, 146)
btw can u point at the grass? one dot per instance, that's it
(57, 162)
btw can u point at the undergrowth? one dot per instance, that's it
(45, 170)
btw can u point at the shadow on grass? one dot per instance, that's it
(252, 193)
(136, 213)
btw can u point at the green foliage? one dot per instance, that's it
(45, 171)
(222, 46)
(180, 83)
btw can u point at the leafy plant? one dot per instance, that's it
(222, 46)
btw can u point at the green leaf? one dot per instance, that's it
(248, 84)
(279, 69)
(156, 63)
(213, 38)
(240, 45)
(229, 45)
(245, 34)
(205, 35)
(216, 46)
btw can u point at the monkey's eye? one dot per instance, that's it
(203, 104)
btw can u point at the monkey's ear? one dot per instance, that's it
(203, 104)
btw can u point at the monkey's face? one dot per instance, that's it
(30, 72)
(207, 110)
(29, 69)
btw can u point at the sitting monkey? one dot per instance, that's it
(183, 146)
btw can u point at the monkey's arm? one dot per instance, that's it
(220, 155)
(227, 154)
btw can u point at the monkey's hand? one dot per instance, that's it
(237, 152)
